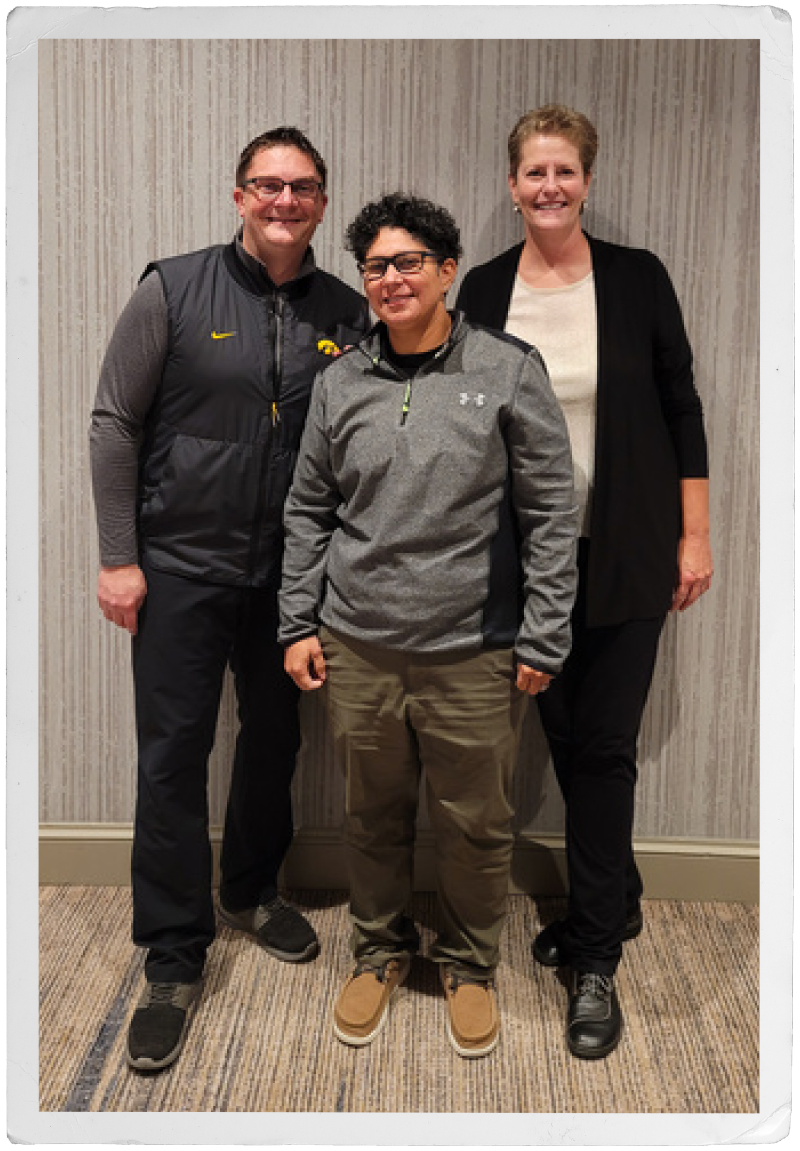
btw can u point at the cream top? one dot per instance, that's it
(562, 324)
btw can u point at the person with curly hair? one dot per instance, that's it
(428, 579)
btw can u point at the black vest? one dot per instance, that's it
(221, 438)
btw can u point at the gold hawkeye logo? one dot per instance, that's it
(221, 335)
(327, 347)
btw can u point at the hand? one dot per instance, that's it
(305, 663)
(532, 681)
(695, 569)
(120, 593)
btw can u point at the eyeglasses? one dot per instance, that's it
(270, 187)
(407, 263)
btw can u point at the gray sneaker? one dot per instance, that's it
(277, 927)
(158, 1028)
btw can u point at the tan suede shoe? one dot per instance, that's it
(363, 1003)
(473, 1018)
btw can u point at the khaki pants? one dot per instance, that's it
(457, 718)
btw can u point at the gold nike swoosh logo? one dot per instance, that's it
(221, 335)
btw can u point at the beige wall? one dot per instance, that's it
(140, 138)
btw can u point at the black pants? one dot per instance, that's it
(188, 633)
(591, 715)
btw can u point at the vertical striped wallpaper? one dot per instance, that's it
(141, 137)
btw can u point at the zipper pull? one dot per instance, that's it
(406, 403)
(276, 418)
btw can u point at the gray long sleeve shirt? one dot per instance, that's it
(129, 379)
(448, 528)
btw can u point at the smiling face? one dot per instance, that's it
(411, 304)
(284, 226)
(550, 185)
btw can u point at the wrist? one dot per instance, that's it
(118, 567)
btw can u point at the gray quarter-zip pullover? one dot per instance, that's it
(434, 513)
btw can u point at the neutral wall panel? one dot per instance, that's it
(139, 139)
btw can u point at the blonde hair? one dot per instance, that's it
(554, 120)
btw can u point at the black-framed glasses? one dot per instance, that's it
(270, 187)
(407, 263)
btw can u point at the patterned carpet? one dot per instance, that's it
(261, 1039)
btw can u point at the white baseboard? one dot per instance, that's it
(710, 870)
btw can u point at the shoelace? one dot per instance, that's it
(162, 993)
(456, 980)
(379, 970)
(590, 983)
(278, 917)
(275, 905)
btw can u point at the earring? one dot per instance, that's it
(517, 208)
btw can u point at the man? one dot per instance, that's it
(428, 580)
(201, 403)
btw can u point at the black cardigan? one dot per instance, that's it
(649, 430)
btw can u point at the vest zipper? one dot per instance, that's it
(275, 326)
(277, 356)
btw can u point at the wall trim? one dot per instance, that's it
(92, 855)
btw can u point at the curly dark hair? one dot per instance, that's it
(432, 225)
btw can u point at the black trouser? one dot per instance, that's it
(591, 714)
(188, 633)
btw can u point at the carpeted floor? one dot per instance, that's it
(261, 1038)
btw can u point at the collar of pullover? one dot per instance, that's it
(376, 342)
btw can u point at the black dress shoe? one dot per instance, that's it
(594, 1020)
(546, 947)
